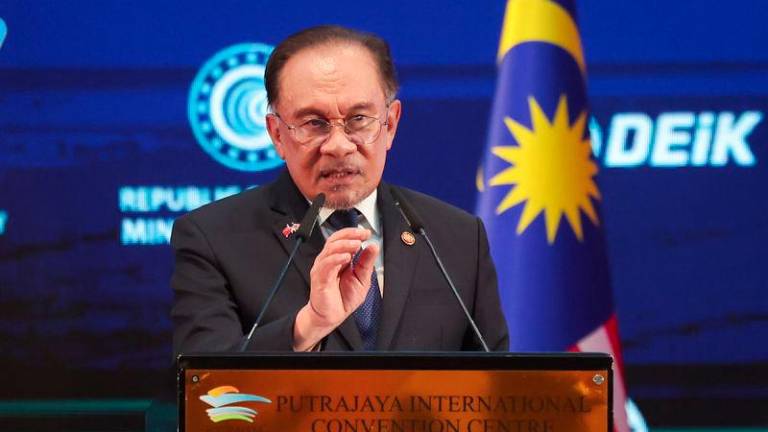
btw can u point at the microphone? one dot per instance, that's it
(302, 234)
(412, 218)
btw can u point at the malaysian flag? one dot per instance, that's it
(538, 193)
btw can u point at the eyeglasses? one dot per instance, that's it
(360, 129)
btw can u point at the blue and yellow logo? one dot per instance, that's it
(221, 399)
(227, 107)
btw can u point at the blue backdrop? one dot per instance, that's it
(97, 156)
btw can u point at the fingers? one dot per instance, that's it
(356, 281)
(348, 240)
(366, 262)
(338, 252)
(361, 234)
(337, 287)
(344, 239)
(327, 268)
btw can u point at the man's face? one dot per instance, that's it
(333, 82)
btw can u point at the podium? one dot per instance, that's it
(396, 392)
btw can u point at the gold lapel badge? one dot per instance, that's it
(408, 238)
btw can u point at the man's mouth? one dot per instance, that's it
(335, 174)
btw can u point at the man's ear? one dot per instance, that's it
(273, 128)
(393, 119)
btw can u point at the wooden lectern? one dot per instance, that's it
(395, 392)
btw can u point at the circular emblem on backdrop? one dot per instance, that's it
(227, 105)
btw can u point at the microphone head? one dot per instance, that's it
(319, 201)
(410, 214)
(308, 223)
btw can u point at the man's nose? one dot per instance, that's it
(338, 143)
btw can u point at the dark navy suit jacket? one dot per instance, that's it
(228, 254)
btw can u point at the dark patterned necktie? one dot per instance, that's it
(367, 315)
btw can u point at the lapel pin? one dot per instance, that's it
(408, 238)
(290, 229)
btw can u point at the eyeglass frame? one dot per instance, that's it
(334, 122)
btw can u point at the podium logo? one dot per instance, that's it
(222, 399)
(227, 108)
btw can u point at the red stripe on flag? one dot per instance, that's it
(605, 339)
(612, 327)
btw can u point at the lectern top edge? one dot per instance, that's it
(398, 361)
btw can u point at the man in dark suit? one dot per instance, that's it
(342, 293)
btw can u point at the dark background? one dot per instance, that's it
(93, 97)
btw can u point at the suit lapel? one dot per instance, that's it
(400, 261)
(288, 206)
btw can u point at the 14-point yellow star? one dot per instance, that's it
(551, 171)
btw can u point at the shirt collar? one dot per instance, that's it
(367, 207)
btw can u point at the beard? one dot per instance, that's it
(345, 197)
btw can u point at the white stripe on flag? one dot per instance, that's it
(598, 341)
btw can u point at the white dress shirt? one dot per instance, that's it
(370, 220)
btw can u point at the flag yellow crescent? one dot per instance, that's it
(540, 21)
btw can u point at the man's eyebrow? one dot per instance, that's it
(361, 106)
(309, 111)
(304, 112)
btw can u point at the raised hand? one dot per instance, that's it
(338, 286)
